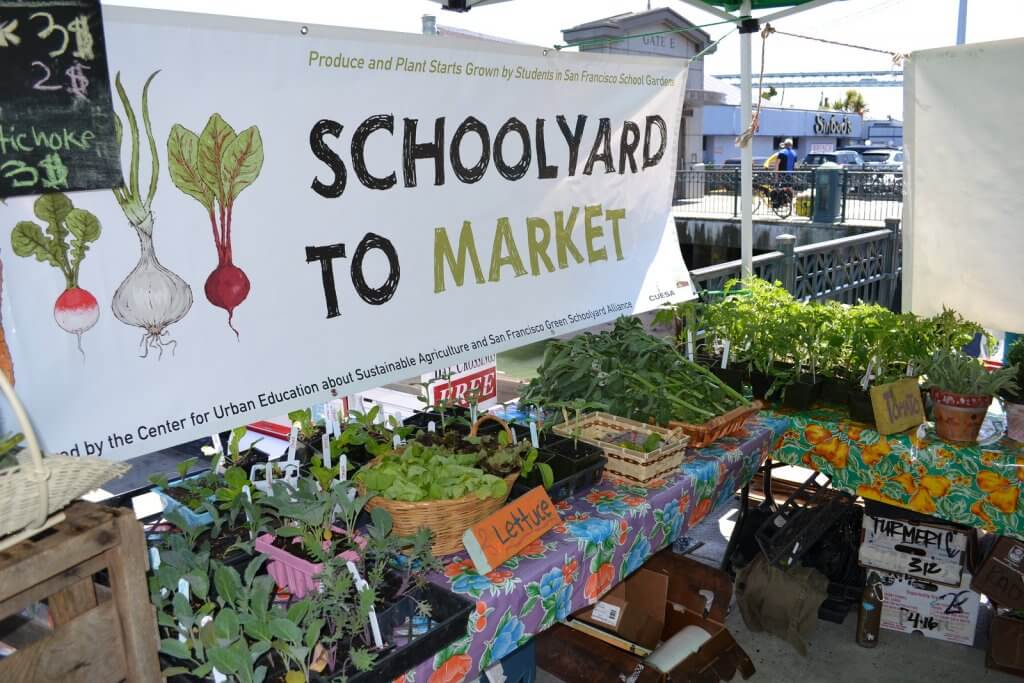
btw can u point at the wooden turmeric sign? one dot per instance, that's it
(897, 406)
(503, 534)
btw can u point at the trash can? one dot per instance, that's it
(828, 195)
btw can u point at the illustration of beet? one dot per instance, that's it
(76, 310)
(151, 296)
(213, 168)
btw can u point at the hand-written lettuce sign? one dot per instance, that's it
(57, 131)
(272, 248)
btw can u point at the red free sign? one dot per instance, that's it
(483, 383)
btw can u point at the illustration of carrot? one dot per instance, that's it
(76, 310)
(213, 168)
(151, 297)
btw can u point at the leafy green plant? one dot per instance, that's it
(630, 374)
(429, 473)
(1014, 358)
(195, 492)
(308, 429)
(312, 514)
(8, 454)
(958, 373)
(547, 475)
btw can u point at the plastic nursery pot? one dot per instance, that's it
(1015, 421)
(291, 572)
(835, 391)
(958, 417)
(760, 383)
(859, 404)
(734, 378)
(802, 393)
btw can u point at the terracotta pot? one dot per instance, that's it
(958, 417)
(292, 573)
(1015, 421)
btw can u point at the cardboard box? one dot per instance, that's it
(913, 605)
(664, 596)
(1006, 644)
(634, 609)
(1001, 575)
(933, 552)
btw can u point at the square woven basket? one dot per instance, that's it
(611, 433)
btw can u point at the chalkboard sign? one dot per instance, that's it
(56, 116)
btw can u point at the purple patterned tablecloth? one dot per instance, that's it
(604, 536)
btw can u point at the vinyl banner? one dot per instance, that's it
(312, 211)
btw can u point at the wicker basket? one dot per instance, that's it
(33, 492)
(607, 433)
(446, 519)
(714, 429)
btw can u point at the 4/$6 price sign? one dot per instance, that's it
(57, 127)
(294, 228)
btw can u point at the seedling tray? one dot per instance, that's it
(577, 474)
(795, 527)
(449, 617)
(611, 434)
(193, 519)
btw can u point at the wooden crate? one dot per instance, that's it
(97, 636)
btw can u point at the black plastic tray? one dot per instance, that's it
(450, 611)
(796, 527)
(584, 473)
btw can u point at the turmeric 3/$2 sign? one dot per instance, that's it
(310, 211)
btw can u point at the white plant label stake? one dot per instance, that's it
(689, 345)
(431, 427)
(725, 353)
(293, 441)
(534, 438)
(342, 467)
(396, 441)
(183, 589)
(327, 458)
(867, 375)
(361, 585)
(218, 453)
(474, 412)
(325, 449)
(248, 496)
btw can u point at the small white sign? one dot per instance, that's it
(607, 613)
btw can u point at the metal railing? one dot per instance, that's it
(866, 196)
(863, 267)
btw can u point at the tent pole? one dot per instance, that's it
(747, 153)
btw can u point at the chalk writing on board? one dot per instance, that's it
(57, 129)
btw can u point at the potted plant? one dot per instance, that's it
(962, 390)
(1014, 398)
(313, 527)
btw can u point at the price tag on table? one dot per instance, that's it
(57, 119)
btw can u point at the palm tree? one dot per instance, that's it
(852, 102)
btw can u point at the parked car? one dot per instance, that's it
(883, 160)
(846, 158)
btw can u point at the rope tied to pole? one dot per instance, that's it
(744, 138)
(897, 57)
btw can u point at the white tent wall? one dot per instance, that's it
(963, 214)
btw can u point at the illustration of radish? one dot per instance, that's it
(76, 310)
(151, 296)
(213, 168)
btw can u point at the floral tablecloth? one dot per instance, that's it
(976, 485)
(605, 535)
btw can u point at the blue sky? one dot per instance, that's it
(898, 25)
